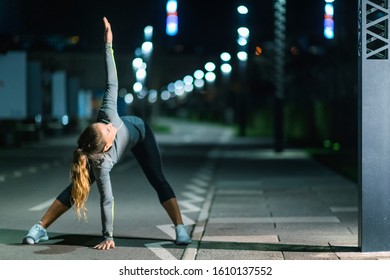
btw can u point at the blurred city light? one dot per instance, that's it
(148, 33)
(242, 41)
(137, 62)
(209, 66)
(258, 51)
(172, 18)
(199, 83)
(210, 77)
(138, 52)
(122, 92)
(171, 87)
(242, 56)
(336, 146)
(140, 74)
(165, 95)
(141, 94)
(171, 6)
(74, 40)
(226, 68)
(129, 98)
(179, 91)
(147, 48)
(137, 87)
(329, 10)
(188, 87)
(38, 118)
(328, 20)
(243, 32)
(179, 85)
(188, 80)
(65, 120)
(225, 56)
(243, 10)
(152, 97)
(198, 74)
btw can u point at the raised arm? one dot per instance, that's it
(107, 31)
(109, 111)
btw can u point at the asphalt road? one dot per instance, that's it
(32, 176)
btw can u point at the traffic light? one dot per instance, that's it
(328, 20)
(172, 18)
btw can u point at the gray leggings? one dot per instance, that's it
(148, 156)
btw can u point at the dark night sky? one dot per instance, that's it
(206, 23)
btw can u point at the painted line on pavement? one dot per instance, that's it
(265, 220)
(344, 209)
(158, 249)
(243, 238)
(240, 192)
(198, 183)
(42, 205)
(192, 249)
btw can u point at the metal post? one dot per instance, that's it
(280, 45)
(374, 126)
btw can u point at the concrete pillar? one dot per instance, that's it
(374, 126)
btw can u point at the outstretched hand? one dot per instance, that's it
(107, 31)
(105, 245)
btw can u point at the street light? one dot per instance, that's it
(172, 18)
(226, 68)
(243, 32)
(210, 66)
(225, 56)
(328, 20)
(147, 48)
(242, 55)
(148, 33)
(243, 10)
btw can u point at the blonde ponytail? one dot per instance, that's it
(90, 147)
(80, 180)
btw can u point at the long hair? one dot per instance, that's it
(90, 146)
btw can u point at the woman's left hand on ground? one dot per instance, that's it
(105, 245)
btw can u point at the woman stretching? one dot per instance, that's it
(100, 146)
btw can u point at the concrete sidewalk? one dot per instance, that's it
(277, 206)
(263, 205)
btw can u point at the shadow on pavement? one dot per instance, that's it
(65, 243)
(275, 247)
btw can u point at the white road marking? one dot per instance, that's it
(43, 205)
(192, 197)
(243, 238)
(159, 251)
(195, 188)
(304, 219)
(343, 209)
(203, 176)
(187, 206)
(240, 192)
(240, 183)
(168, 229)
(199, 182)
(192, 249)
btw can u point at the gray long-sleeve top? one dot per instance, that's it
(131, 130)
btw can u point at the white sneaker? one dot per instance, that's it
(36, 233)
